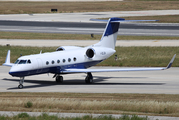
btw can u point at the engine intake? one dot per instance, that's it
(60, 49)
(66, 48)
(90, 53)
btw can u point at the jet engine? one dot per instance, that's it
(98, 53)
(90, 52)
(65, 48)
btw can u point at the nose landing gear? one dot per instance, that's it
(20, 86)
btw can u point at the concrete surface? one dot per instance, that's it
(95, 31)
(57, 43)
(153, 82)
(84, 16)
(5, 113)
(64, 0)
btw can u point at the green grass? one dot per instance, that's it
(127, 56)
(45, 116)
(51, 36)
(142, 56)
(102, 103)
(71, 7)
(55, 36)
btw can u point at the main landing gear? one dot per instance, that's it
(89, 78)
(21, 83)
(59, 79)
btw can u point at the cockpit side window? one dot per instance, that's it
(16, 62)
(28, 62)
(22, 62)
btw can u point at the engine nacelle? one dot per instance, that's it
(90, 52)
(65, 48)
(99, 53)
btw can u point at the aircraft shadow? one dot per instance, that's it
(97, 81)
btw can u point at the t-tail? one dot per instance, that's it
(109, 36)
(110, 33)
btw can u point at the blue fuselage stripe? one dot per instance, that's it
(54, 70)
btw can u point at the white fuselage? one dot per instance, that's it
(54, 62)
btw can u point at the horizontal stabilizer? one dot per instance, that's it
(111, 20)
(122, 20)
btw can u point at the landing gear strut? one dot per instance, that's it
(89, 78)
(59, 79)
(21, 83)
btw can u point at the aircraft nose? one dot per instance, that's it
(13, 71)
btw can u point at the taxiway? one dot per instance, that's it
(79, 23)
(152, 82)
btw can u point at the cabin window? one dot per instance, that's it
(58, 61)
(16, 62)
(28, 62)
(64, 60)
(74, 58)
(69, 60)
(47, 63)
(22, 62)
(53, 62)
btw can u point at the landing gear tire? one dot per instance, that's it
(20, 86)
(89, 78)
(59, 79)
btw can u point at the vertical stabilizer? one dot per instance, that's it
(110, 33)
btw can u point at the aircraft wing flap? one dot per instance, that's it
(110, 70)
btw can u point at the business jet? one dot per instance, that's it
(73, 59)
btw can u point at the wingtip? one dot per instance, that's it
(171, 62)
(7, 61)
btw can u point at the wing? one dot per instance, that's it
(119, 70)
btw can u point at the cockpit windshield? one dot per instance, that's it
(23, 62)
(17, 61)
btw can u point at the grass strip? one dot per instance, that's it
(55, 36)
(51, 36)
(45, 116)
(127, 56)
(104, 103)
(70, 7)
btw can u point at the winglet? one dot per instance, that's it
(171, 62)
(8, 57)
(7, 62)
